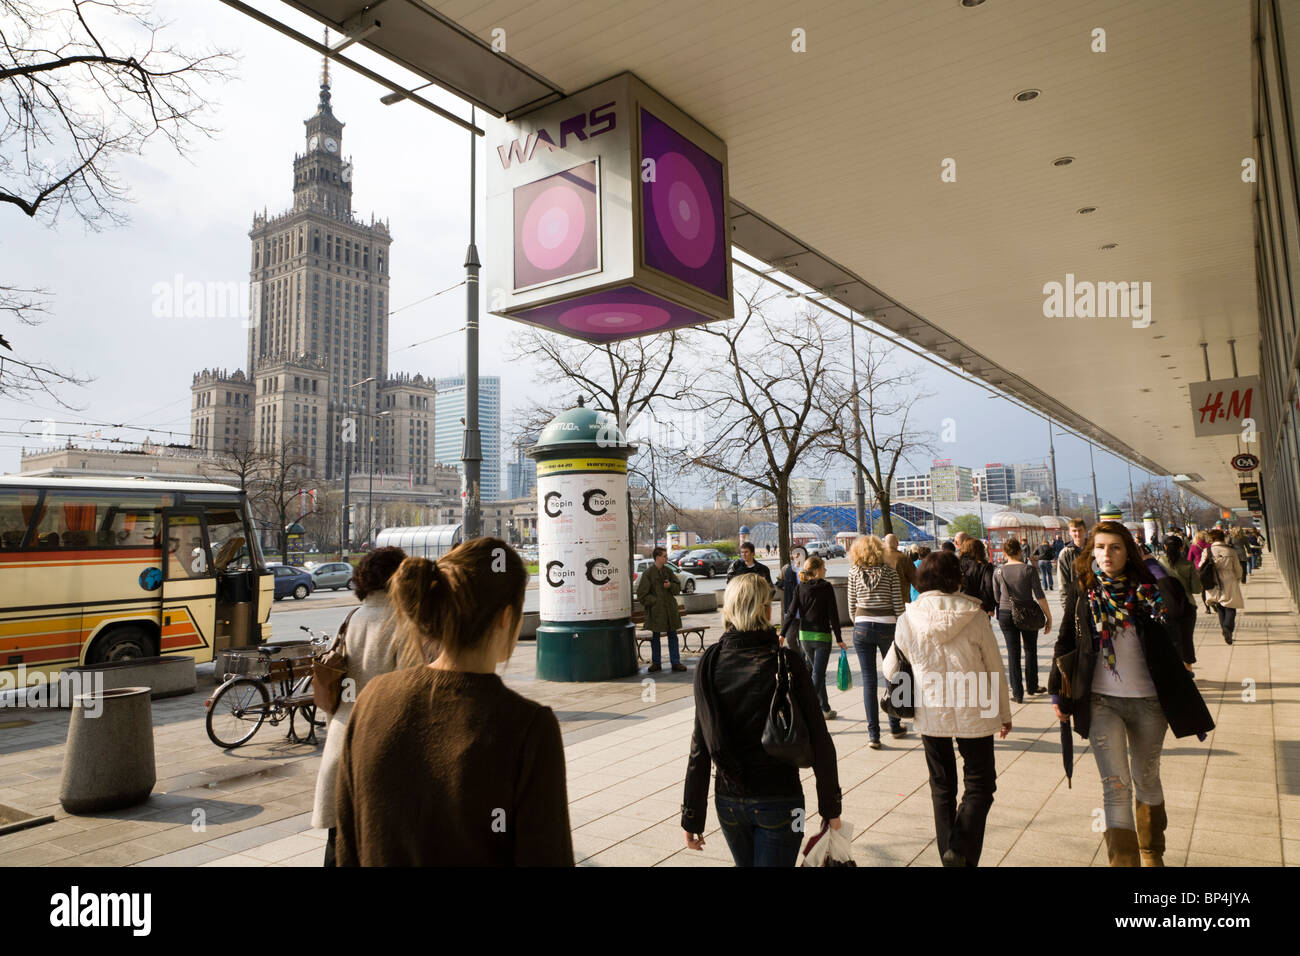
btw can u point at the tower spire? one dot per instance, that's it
(325, 75)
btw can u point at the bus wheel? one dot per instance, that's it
(123, 644)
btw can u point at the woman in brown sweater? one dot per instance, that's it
(443, 765)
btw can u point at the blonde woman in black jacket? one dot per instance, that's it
(759, 798)
(818, 616)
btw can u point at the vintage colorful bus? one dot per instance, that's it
(95, 570)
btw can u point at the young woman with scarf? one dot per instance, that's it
(1118, 672)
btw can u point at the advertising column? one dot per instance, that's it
(585, 582)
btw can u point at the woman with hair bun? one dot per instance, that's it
(443, 765)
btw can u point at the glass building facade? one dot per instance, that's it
(449, 409)
(1277, 262)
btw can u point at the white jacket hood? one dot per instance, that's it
(936, 616)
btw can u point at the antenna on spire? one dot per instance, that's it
(325, 74)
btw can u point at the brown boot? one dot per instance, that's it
(1151, 823)
(1122, 848)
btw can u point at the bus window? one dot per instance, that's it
(185, 557)
(226, 534)
(78, 521)
(132, 528)
(17, 508)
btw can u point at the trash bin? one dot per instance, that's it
(108, 763)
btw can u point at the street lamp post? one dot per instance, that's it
(347, 469)
(858, 484)
(370, 497)
(471, 455)
(1096, 513)
(1051, 444)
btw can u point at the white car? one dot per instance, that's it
(687, 579)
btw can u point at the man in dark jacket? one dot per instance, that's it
(1046, 555)
(1065, 560)
(789, 579)
(657, 591)
(746, 564)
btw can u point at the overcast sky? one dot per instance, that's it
(190, 218)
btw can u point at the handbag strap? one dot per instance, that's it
(340, 639)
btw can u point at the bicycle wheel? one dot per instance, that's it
(308, 713)
(237, 712)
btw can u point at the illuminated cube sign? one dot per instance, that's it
(607, 216)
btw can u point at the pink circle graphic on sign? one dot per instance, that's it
(683, 210)
(618, 317)
(553, 228)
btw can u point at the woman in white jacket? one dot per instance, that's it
(372, 646)
(1226, 598)
(959, 691)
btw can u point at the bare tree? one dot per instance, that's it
(761, 399)
(628, 380)
(83, 84)
(243, 463)
(279, 488)
(879, 412)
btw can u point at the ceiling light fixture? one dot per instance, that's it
(1086, 210)
(1109, 246)
(1024, 96)
(1063, 161)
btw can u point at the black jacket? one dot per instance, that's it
(817, 610)
(738, 567)
(734, 684)
(1179, 698)
(977, 581)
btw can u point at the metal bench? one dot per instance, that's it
(683, 634)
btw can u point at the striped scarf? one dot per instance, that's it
(1112, 602)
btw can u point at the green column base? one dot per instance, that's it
(586, 652)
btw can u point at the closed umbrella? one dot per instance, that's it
(1067, 753)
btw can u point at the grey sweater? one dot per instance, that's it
(874, 592)
(1015, 582)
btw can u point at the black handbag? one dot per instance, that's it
(785, 735)
(1026, 615)
(898, 700)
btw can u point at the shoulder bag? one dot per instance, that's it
(899, 699)
(329, 670)
(785, 735)
(1025, 615)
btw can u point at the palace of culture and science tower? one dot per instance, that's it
(318, 336)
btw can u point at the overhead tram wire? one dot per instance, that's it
(888, 336)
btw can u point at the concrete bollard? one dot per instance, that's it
(108, 763)
(699, 602)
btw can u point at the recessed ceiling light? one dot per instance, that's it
(1144, 389)
(1158, 336)
(1166, 355)
(1086, 210)
(1171, 367)
(1024, 96)
(1108, 246)
(1063, 161)
(971, 3)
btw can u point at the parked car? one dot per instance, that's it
(687, 579)
(836, 550)
(292, 580)
(706, 561)
(817, 549)
(332, 575)
(674, 557)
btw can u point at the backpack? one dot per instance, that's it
(1207, 573)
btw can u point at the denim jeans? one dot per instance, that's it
(762, 831)
(868, 637)
(672, 647)
(961, 827)
(1045, 572)
(818, 655)
(1126, 735)
(1014, 638)
(1227, 617)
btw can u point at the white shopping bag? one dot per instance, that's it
(830, 847)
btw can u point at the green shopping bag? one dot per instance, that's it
(844, 679)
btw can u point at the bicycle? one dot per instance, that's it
(266, 683)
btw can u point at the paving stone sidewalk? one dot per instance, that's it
(1233, 800)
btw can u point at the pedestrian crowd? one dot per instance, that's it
(430, 759)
